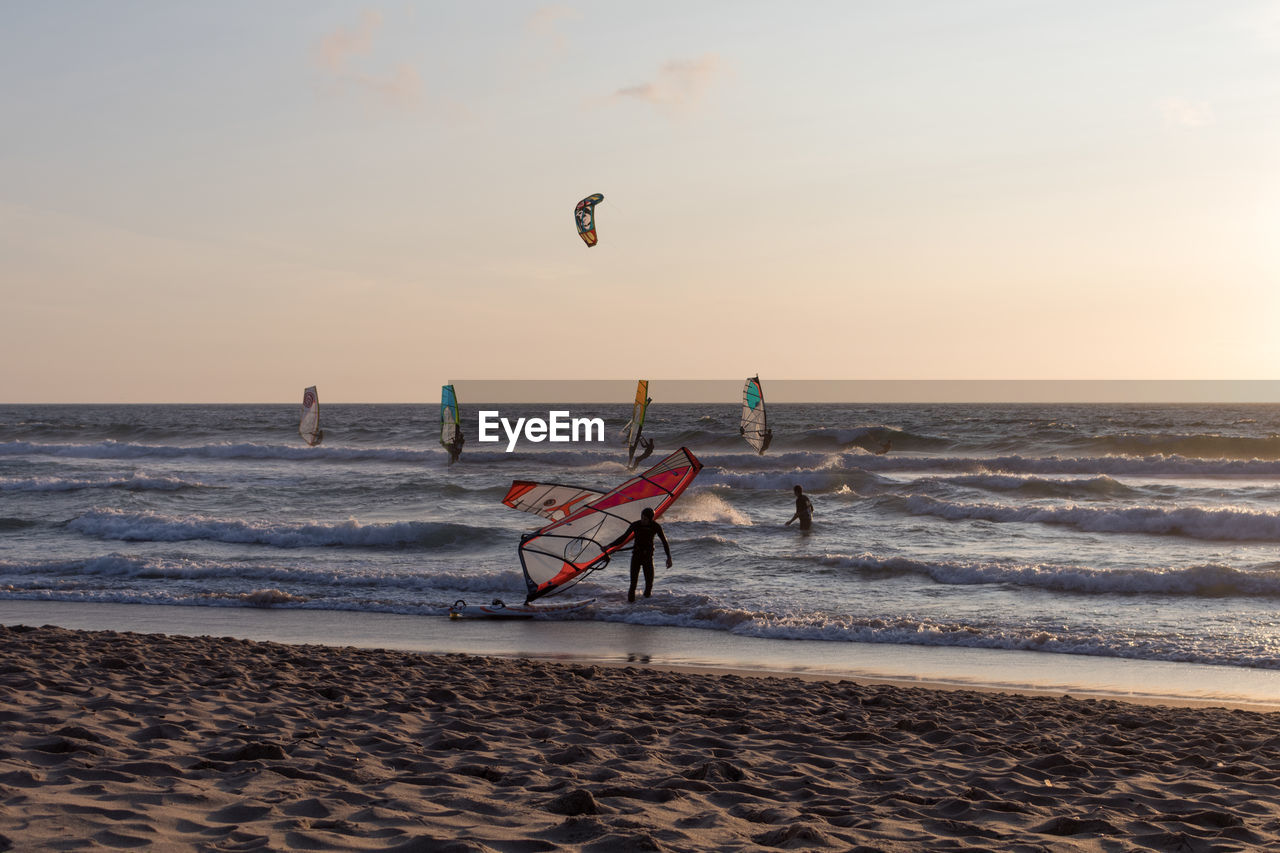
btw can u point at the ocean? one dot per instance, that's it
(1075, 535)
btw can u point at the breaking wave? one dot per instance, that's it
(157, 527)
(1210, 580)
(1240, 525)
(133, 483)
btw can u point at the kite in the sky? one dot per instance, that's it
(585, 216)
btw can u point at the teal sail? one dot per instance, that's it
(450, 423)
(755, 423)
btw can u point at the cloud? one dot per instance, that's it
(336, 48)
(402, 86)
(678, 85)
(338, 52)
(543, 24)
(1181, 112)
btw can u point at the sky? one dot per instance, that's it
(226, 202)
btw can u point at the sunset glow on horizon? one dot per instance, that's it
(230, 202)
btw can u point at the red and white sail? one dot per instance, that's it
(549, 500)
(564, 551)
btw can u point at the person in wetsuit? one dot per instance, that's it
(804, 510)
(647, 444)
(642, 550)
(455, 447)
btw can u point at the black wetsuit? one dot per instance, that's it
(648, 451)
(804, 511)
(642, 553)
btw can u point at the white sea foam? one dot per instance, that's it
(1114, 466)
(829, 478)
(133, 482)
(1198, 523)
(1208, 580)
(296, 574)
(1101, 485)
(709, 614)
(270, 597)
(158, 527)
(706, 507)
(132, 450)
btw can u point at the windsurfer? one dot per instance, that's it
(804, 510)
(455, 447)
(755, 425)
(642, 550)
(647, 444)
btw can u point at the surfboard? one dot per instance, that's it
(497, 609)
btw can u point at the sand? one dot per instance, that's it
(149, 741)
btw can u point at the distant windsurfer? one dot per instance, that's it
(642, 550)
(455, 447)
(804, 510)
(647, 444)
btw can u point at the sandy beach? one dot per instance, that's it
(122, 740)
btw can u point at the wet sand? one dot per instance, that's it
(125, 740)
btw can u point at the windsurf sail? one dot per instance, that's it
(309, 426)
(755, 424)
(635, 427)
(565, 551)
(548, 500)
(584, 214)
(450, 423)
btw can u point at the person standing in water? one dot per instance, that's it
(804, 510)
(642, 550)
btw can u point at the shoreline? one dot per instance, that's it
(687, 650)
(193, 743)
